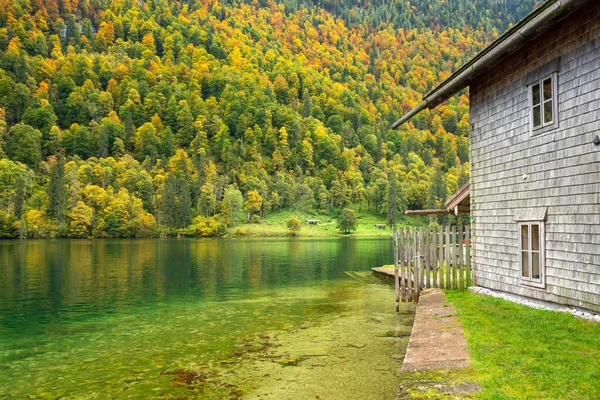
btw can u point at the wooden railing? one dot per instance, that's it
(431, 257)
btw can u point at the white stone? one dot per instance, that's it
(536, 303)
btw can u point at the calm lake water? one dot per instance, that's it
(225, 318)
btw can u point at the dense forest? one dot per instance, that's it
(123, 118)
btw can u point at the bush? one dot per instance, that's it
(239, 232)
(9, 226)
(294, 225)
(206, 227)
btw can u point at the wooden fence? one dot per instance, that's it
(432, 257)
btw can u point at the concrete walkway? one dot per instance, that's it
(437, 340)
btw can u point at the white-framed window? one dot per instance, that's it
(532, 263)
(543, 108)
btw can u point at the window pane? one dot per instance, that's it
(548, 89)
(535, 237)
(548, 111)
(535, 265)
(524, 237)
(525, 263)
(535, 94)
(537, 116)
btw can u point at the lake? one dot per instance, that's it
(199, 318)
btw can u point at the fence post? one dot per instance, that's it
(402, 264)
(396, 278)
(417, 264)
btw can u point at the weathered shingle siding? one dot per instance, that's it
(562, 166)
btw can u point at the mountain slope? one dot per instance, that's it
(152, 114)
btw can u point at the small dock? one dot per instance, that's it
(384, 271)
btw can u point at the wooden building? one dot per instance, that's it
(535, 155)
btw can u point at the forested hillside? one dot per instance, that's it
(488, 15)
(127, 118)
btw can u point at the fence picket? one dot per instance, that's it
(401, 256)
(409, 263)
(454, 257)
(468, 255)
(417, 263)
(461, 269)
(447, 258)
(434, 258)
(427, 245)
(421, 260)
(396, 272)
(441, 257)
(431, 257)
(406, 255)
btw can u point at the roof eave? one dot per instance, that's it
(459, 196)
(508, 42)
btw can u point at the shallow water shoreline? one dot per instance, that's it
(195, 317)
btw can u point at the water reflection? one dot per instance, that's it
(41, 281)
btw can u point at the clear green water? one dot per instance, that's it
(214, 319)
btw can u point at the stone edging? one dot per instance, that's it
(542, 305)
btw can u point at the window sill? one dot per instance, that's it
(537, 285)
(544, 129)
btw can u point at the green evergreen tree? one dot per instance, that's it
(118, 148)
(395, 200)
(184, 209)
(171, 114)
(207, 201)
(168, 204)
(339, 193)
(307, 105)
(146, 142)
(167, 142)
(185, 124)
(19, 197)
(176, 201)
(57, 191)
(438, 190)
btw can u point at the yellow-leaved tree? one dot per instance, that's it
(80, 220)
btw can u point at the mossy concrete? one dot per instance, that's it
(436, 365)
(437, 341)
(448, 384)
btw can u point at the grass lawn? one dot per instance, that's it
(275, 225)
(523, 353)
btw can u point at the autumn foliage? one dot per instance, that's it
(130, 118)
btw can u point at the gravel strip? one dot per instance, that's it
(537, 303)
